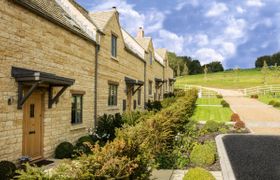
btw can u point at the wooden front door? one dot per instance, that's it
(32, 126)
(129, 97)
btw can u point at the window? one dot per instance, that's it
(77, 108)
(150, 87)
(139, 97)
(114, 46)
(113, 95)
(151, 58)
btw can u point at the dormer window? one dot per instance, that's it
(151, 58)
(114, 46)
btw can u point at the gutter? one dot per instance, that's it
(97, 48)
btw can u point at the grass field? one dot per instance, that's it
(267, 98)
(206, 113)
(228, 79)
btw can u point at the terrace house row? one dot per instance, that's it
(62, 66)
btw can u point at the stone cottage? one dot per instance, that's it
(61, 67)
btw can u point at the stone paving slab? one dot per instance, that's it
(178, 174)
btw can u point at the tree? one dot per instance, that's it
(205, 72)
(275, 58)
(265, 72)
(195, 67)
(215, 66)
(185, 70)
(178, 71)
(260, 61)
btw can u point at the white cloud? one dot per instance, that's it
(131, 19)
(182, 3)
(216, 10)
(170, 40)
(236, 28)
(206, 55)
(240, 10)
(201, 39)
(255, 3)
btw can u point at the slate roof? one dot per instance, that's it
(133, 45)
(144, 42)
(52, 11)
(162, 52)
(102, 18)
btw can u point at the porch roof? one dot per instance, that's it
(27, 75)
(133, 81)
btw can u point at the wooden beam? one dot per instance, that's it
(55, 99)
(21, 98)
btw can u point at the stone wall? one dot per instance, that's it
(29, 41)
(116, 69)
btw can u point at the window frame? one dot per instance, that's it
(113, 94)
(75, 120)
(114, 45)
(151, 57)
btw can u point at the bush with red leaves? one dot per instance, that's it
(239, 125)
(254, 96)
(235, 117)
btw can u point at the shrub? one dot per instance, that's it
(179, 92)
(202, 155)
(31, 173)
(167, 102)
(272, 102)
(276, 104)
(153, 106)
(131, 118)
(198, 174)
(212, 126)
(64, 150)
(107, 124)
(219, 96)
(168, 95)
(254, 96)
(235, 117)
(82, 146)
(7, 170)
(239, 125)
(224, 103)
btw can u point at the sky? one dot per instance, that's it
(234, 32)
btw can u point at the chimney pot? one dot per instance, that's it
(140, 33)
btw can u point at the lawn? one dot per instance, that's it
(208, 112)
(229, 79)
(208, 101)
(267, 98)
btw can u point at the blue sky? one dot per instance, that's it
(235, 32)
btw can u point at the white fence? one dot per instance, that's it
(267, 89)
(202, 91)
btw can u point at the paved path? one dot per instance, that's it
(178, 174)
(258, 117)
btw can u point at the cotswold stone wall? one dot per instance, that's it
(29, 41)
(116, 69)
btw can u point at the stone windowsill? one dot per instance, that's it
(75, 127)
(115, 58)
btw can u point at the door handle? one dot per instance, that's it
(31, 132)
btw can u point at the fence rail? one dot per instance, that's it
(202, 91)
(266, 89)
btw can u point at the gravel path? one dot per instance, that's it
(259, 117)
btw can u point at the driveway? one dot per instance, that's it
(259, 117)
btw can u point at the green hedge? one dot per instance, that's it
(198, 174)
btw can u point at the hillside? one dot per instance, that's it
(229, 79)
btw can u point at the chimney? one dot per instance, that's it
(140, 33)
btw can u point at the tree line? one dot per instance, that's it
(271, 60)
(185, 65)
